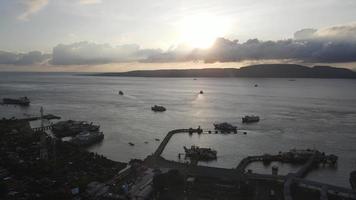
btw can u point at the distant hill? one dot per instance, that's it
(262, 71)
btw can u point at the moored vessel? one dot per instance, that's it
(71, 128)
(157, 108)
(199, 153)
(23, 101)
(250, 119)
(87, 138)
(225, 127)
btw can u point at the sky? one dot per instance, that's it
(121, 35)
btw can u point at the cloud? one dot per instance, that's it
(315, 48)
(328, 45)
(30, 58)
(88, 2)
(86, 53)
(334, 44)
(346, 33)
(32, 7)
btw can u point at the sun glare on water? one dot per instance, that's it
(200, 31)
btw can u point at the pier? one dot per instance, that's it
(42, 128)
(238, 174)
(47, 117)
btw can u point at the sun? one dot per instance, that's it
(200, 31)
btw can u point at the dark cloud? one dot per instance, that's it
(30, 58)
(85, 53)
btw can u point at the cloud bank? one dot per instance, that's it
(32, 7)
(89, 2)
(334, 44)
(329, 45)
(85, 53)
(30, 58)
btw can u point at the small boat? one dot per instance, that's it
(256, 85)
(201, 92)
(250, 119)
(157, 108)
(131, 144)
(199, 153)
(121, 93)
(225, 127)
(157, 139)
(23, 101)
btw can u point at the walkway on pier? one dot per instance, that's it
(166, 139)
(37, 129)
(246, 161)
(326, 189)
(47, 117)
(302, 172)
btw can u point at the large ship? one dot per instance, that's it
(250, 119)
(71, 128)
(353, 180)
(225, 127)
(23, 101)
(87, 138)
(199, 153)
(157, 108)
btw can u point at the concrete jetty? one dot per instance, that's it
(238, 174)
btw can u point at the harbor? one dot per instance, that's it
(197, 180)
(270, 136)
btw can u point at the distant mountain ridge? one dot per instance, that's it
(257, 71)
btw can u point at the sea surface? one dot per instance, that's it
(295, 113)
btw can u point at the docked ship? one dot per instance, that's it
(225, 127)
(157, 108)
(71, 128)
(23, 101)
(250, 119)
(199, 153)
(353, 180)
(87, 138)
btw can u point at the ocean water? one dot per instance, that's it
(298, 113)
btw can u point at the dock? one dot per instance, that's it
(238, 174)
(47, 117)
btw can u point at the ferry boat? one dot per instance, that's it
(353, 179)
(71, 128)
(225, 127)
(199, 153)
(23, 101)
(87, 138)
(250, 119)
(157, 108)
